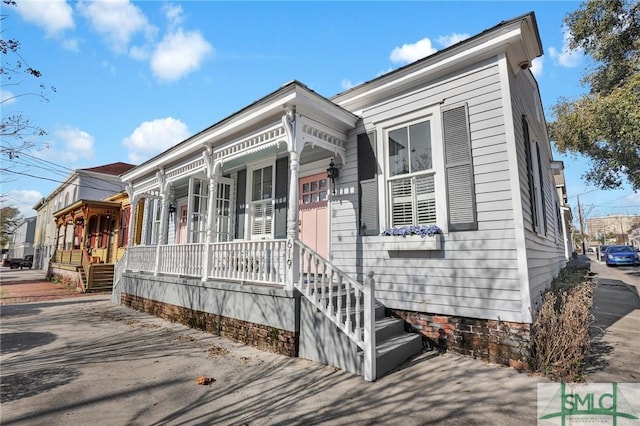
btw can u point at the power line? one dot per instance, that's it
(60, 181)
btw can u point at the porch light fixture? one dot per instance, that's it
(332, 173)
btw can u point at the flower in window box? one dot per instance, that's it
(421, 230)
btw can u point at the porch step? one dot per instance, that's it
(396, 349)
(393, 344)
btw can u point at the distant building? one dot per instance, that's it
(564, 210)
(614, 228)
(95, 183)
(23, 235)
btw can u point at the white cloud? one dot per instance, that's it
(23, 200)
(53, 16)
(154, 137)
(451, 39)
(71, 44)
(118, 21)
(346, 84)
(179, 54)
(173, 14)
(7, 97)
(537, 65)
(69, 146)
(566, 57)
(412, 52)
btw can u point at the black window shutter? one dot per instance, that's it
(542, 200)
(461, 197)
(532, 190)
(241, 203)
(281, 192)
(368, 185)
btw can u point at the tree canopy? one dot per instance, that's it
(9, 219)
(604, 124)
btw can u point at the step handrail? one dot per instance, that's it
(316, 280)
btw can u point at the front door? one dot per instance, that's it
(182, 224)
(313, 214)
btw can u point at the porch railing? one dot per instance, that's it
(71, 257)
(343, 300)
(181, 259)
(142, 258)
(118, 269)
(255, 261)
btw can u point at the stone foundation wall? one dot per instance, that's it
(259, 336)
(499, 342)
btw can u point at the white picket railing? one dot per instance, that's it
(182, 259)
(255, 261)
(118, 269)
(142, 258)
(344, 301)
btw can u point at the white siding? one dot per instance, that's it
(545, 253)
(476, 274)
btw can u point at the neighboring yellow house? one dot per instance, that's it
(99, 237)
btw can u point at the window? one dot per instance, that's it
(200, 200)
(535, 181)
(410, 184)
(262, 202)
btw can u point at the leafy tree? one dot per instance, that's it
(9, 218)
(604, 124)
(17, 132)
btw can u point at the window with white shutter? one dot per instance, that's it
(262, 203)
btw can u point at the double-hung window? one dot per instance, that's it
(262, 202)
(200, 202)
(410, 182)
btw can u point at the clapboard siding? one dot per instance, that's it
(476, 274)
(545, 255)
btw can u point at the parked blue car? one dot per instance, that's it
(621, 255)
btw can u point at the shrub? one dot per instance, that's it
(560, 331)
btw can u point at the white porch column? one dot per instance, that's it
(293, 252)
(145, 221)
(164, 210)
(213, 173)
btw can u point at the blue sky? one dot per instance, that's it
(134, 78)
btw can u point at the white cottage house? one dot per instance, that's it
(266, 227)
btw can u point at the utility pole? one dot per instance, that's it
(581, 218)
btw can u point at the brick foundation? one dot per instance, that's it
(259, 336)
(499, 342)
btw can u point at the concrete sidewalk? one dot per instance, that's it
(86, 361)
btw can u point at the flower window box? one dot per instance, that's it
(414, 238)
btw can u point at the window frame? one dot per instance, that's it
(251, 203)
(433, 115)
